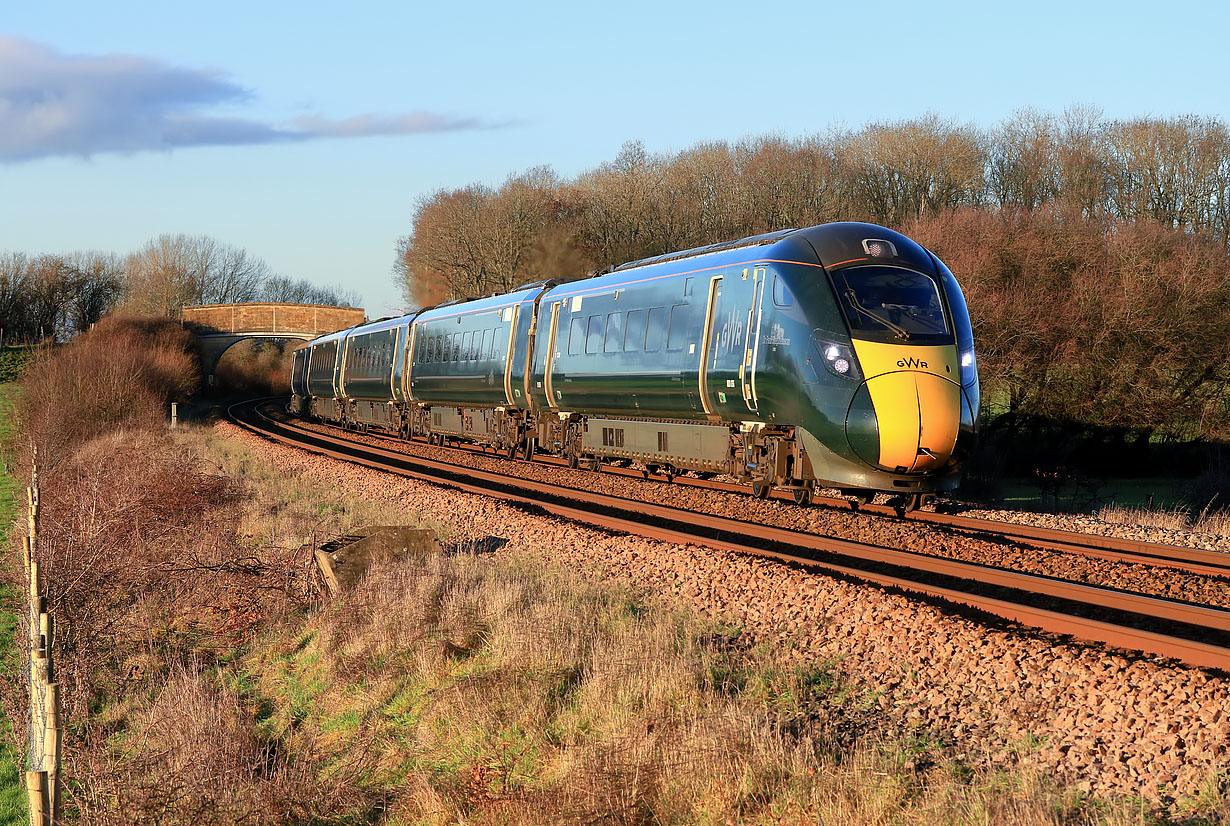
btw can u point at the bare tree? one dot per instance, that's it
(174, 270)
(1169, 170)
(1023, 160)
(908, 169)
(788, 184)
(286, 290)
(476, 240)
(97, 286)
(14, 291)
(1084, 168)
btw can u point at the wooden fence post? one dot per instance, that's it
(36, 790)
(46, 732)
(52, 738)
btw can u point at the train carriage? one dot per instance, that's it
(839, 355)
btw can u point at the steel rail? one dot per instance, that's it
(675, 525)
(1198, 561)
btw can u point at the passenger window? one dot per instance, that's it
(576, 336)
(634, 338)
(614, 332)
(781, 293)
(465, 347)
(484, 345)
(679, 327)
(593, 341)
(655, 332)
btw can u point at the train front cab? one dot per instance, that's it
(893, 382)
(918, 374)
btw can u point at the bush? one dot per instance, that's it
(13, 361)
(122, 374)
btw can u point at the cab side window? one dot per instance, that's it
(782, 296)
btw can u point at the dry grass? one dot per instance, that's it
(493, 691)
(1178, 518)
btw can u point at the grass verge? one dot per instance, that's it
(213, 686)
(491, 689)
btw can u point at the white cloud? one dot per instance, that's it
(57, 104)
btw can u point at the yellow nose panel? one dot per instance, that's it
(939, 419)
(917, 408)
(895, 399)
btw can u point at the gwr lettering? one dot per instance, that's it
(912, 362)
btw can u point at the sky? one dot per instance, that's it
(306, 133)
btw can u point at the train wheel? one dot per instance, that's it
(574, 461)
(527, 450)
(761, 491)
(802, 496)
(908, 503)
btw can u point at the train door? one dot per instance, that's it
(727, 374)
(549, 368)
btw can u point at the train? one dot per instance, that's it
(838, 356)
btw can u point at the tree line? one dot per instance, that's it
(54, 297)
(1094, 252)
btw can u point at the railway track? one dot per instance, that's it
(1114, 549)
(1194, 633)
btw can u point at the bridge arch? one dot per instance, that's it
(217, 327)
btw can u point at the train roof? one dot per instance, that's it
(750, 241)
(852, 243)
(838, 244)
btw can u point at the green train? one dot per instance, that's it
(837, 356)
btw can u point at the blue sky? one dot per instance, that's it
(306, 132)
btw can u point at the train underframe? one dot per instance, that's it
(760, 456)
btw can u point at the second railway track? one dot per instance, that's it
(1197, 634)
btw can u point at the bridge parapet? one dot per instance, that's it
(219, 326)
(269, 318)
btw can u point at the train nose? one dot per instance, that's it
(905, 421)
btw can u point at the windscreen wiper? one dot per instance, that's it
(899, 331)
(918, 314)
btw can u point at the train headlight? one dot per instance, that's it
(838, 359)
(969, 368)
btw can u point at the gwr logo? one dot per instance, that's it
(912, 362)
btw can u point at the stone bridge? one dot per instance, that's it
(218, 326)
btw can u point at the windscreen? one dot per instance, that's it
(888, 303)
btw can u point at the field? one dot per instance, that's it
(12, 794)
